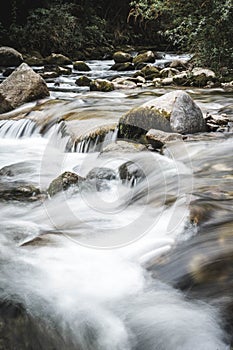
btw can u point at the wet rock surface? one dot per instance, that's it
(63, 182)
(23, 85)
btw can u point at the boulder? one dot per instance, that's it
(172, 112)
(122, 57)
(168, 72)
(81, 66)
(150, 72)
(63, 70)
(83, 81)
(126, 82)
(165, 81)
(58, 60)
(34, 61)
(200, 77)
(121, 146)
(101, 85)
(10, 57)
(182, 79)
(158, 138)
(23, 85)
(99, 177)
(121, 67)
(19, 191)
(147, 57)
(179, 64)
(101, 173)
(131, 172)
(63, 182)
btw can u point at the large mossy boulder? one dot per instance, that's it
(23, 85)
(172, 112)
(10, 57)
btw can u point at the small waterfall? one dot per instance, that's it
(17, 128)
(96, 144)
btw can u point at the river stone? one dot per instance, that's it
(101, 173)
(81, 66)
(10, 57)
(168, 72)
(63, 182)
(150, 72)
(83, 81)
(122, 57)
(147, 57)
(172, 112)
(186, 117)
(131, 172)
(120, 147)
(58, 59)
(158, 138)
(34, 61)
(179, 64)
(121, 67)
(101, 85)
(201, 76)
(19, 191)
(100, 177)
(23, 85)
(182, 79)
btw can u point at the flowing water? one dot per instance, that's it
(116, 265)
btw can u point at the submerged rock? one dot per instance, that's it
(172, 112)
(120, 147)
(10, 57)
(23, 85)
(100, 176)
(63, 182)
(131, 172)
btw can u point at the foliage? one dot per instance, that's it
(206, 30)
(203, 27)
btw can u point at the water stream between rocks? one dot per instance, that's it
(115, 265)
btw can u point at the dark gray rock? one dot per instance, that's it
(19, 191)
(10, 57)
(63, 182)
(131, 172)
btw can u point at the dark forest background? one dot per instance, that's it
(91, 27)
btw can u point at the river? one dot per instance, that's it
(116, 266)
